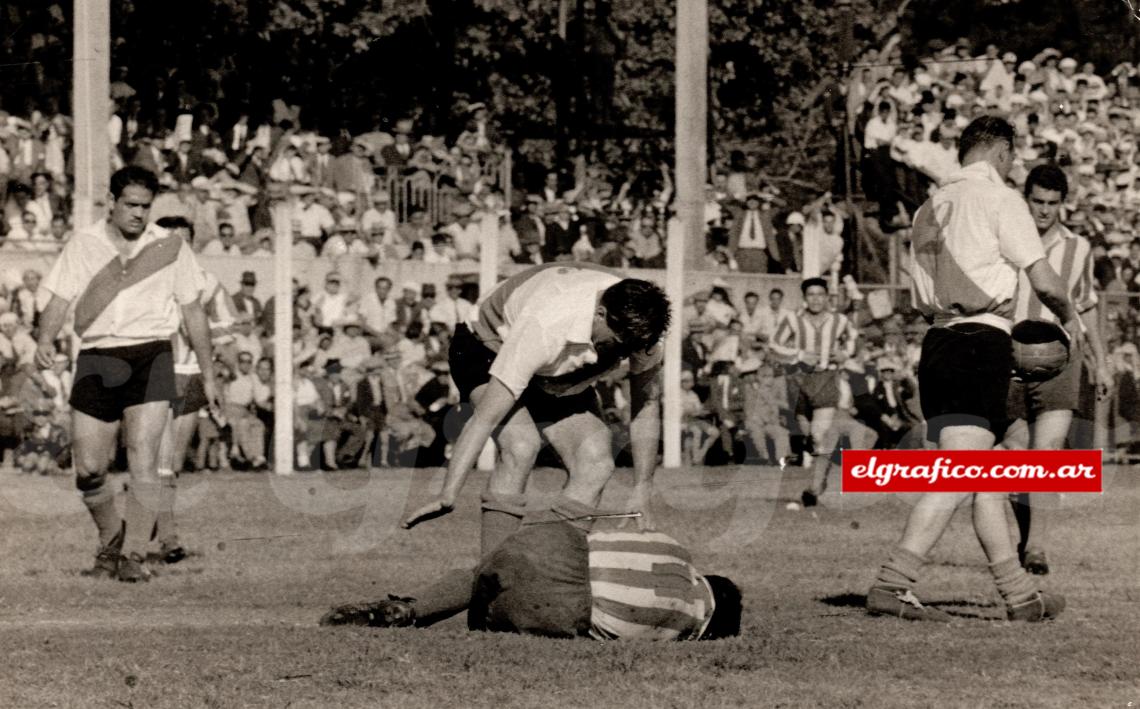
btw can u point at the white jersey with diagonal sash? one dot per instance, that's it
(644, 587)
(125, 301)
(970, 240)
(540, 324)
(1070, 255)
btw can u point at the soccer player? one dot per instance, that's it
(1043, 411)
(556, 577)
(131, 285)
(528, 365)
(817, 341)
(182, 419)
(970, 240)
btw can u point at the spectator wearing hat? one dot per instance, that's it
(369, 410)
(408, 307)
(244, 300)
(311, 221)
(449, 308)
(465, 232)
(336, 425)
(397, 154)
(380, 217)
(350, 346)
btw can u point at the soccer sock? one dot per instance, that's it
(164, 530)
(100, 502)
(448, 596)
(1036, 523)
(1014, 585)
(1023, 514)
(142, 505)
(502, 515)
(902, 570)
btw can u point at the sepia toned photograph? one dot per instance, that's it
(569, 353)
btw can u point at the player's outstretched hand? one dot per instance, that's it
(45, 356)
(436, 508)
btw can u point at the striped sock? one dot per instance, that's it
(1014, 585)
(902, 570)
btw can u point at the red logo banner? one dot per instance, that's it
(971, 471)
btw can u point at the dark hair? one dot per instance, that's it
(776, 290)
(1048, 177)
(984, 131)
(382, 278)
(751, 294)
(637, 311)
(725, 621)
(415, 330)
(133, 175)
(177, 223)
(809, 282)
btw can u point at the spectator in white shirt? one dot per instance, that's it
(225, 244)
(751, 316)
(450, 309)
(378, 308)
(439, 251)
(332, 304)
(380, 215)
(464, 232)
(773, 315)
(882, 127)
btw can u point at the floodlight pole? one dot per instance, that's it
(685, 246)
(91, 80)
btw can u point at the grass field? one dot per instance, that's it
(237, 626)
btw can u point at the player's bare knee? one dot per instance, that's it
(594, 462)
(519, 450)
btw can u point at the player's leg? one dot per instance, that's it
(826, 436)
(143, 424)
(93, 445)
(1049, 432)
(585, 443)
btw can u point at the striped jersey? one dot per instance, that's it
(540, 324)
(1070, 255)
(822, 335)
(127, 301)
(644, 587)
(969, 241)
(220, 319)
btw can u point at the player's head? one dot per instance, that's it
(815, 294)
(775, 298)
(725, 622)
(132, 191)
(180, 226)
(1045, 189)
(632, 312)
(988, 138)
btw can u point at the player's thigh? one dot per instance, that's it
(965, 437)
(1051, 429)
(585, 444)
(1016, 436)
(823, 423)
(93, 442)
(143, 424)
(519, 444)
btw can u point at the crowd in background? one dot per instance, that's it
(372, 362)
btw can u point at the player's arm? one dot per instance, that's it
(51, 322)
(198, 332)
(784, 341)
(645, 435)
(492, 407)
(1050, 289)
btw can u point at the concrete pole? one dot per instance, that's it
(91, 81)
(283, 353)
(688, 229)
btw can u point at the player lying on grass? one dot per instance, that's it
(555, 577)
(528, 364)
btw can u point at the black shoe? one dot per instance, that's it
(902, 603)
(1035, 563)
(168, 554)
(1043, 606)
(395, 612)
(809, 498)
(106, 564)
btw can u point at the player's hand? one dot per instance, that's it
(210, 388)
(436, 508)
(839, 356)
(640, 502)
(810, 358)
(45, 355)
(1103, 382)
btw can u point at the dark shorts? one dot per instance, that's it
(1061, 393)
(963, 376)
(536, 582)
(110, 380)
(191, 394)
(814, 390)
(470, 362)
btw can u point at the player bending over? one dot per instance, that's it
(528, 365)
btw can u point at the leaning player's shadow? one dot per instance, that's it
(974, 610)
